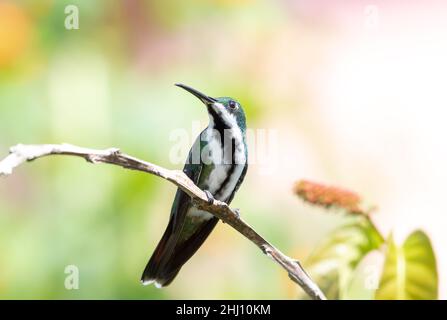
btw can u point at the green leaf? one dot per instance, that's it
(410, 270)
(365, 278)
(332, 264)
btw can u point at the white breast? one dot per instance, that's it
(221, 170)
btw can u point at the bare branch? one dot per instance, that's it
(22, 153)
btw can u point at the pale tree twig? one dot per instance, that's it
(22, 153)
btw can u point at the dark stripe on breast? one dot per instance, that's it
(219, 125)
(232, 168)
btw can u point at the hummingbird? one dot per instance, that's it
(217, 164)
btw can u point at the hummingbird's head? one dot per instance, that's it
(224, 111)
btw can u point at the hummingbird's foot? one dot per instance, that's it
(209, 196)
(237, 212)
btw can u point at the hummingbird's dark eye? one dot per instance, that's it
(232, 104)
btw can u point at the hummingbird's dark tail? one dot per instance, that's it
(172, 253)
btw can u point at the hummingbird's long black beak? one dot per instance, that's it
(204, 98)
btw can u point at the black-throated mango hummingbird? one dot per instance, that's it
(217, 163)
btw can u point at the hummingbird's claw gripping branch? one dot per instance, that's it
(209, 196)
(237, 211)
(22, 153)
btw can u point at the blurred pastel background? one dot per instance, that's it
(356, 91)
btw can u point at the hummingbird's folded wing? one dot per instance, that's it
(170, 253)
